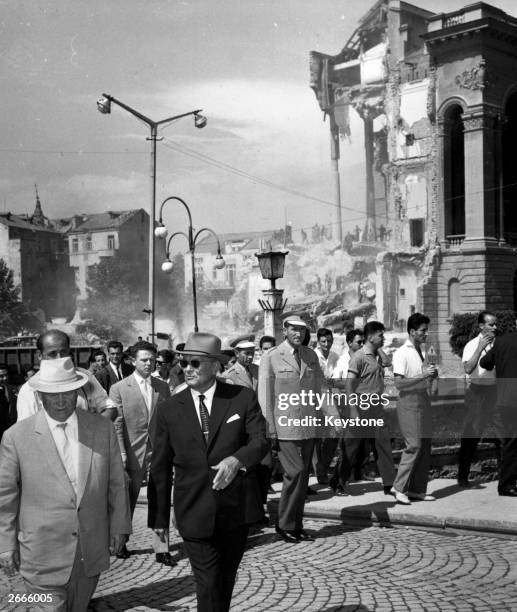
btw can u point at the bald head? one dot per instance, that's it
(53, 344)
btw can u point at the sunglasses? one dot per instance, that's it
(160, 362)
(195, 363)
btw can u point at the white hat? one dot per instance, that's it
(57, 376)
(294, 320)
(243, 342)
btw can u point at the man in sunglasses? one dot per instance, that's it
(213, 435)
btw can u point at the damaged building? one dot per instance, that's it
(437, 95)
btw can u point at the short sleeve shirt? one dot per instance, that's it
(479, 375)
(366, 366)
(406, 361)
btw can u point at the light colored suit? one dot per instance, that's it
(136, 428)
(40, 514)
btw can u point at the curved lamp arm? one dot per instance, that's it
(160, 220)
(207, 229)
(167, 250)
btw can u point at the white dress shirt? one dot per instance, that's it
(209, 398)
(72, 433)
(146, 389)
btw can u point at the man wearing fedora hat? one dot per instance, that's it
(291, 370)
(213, 435)
(63, 496)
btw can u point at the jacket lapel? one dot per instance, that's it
(303, 360)
(287, 355)
(219, 409)
(190, 416)
(137, 393)
(48, 449)
(85, 435)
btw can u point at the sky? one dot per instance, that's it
(244, 62)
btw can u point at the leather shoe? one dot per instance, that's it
(311, 491)
(165, 559)
(123, 554)
(340, 491)
(287, 536)
(302, 536)
(387, 490)
(508, 492)
(402, 498)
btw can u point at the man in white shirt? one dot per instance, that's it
(136, 398)
(412, 378)
(325, 447)
(55, 344)
(481, 396)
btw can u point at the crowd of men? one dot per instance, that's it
(212, 428)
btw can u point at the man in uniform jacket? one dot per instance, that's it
(63, 495)
(243, 372)
(213, 435)
(136, 398)
(287, 374)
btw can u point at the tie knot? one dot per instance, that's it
(62, 426)
(201, 397)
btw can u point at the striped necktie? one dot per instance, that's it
(203, 413)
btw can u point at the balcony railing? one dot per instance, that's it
(454, 241)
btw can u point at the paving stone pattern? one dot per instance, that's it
(345, 569)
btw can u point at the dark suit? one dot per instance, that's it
(107, 377)
(503, 356)
(212, 523)
(8, 413)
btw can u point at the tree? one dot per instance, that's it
(116, 296)
(14, 315)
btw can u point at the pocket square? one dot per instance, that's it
(233, 418)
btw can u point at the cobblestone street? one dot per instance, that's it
(345, 569)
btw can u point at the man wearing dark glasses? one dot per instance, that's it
(213, 435)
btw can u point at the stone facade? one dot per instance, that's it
(438, 98)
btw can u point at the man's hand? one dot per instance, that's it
(226, 471)
(10, 561)
(485, 340)
(117, 543)
(430, 371)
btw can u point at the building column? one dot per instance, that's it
(481, 178)
(370, 231)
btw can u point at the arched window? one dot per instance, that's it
(454, 296)
(454, 172)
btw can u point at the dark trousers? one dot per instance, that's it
(215, 562)
(295, 457)
(350, 447)
(507, 418)
(480, 402)
(324, 451)
(264, 471)
(414, 416)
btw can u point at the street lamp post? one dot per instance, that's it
(161, 232)
(104, 107)
(271, 265)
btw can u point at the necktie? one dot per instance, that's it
(296, 354)
(203, 413)
(147, 392)
(119, 373)
(65, 449)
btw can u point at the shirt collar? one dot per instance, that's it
(71, 421)
(140, 379)
(367, 350)
(209, 393)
